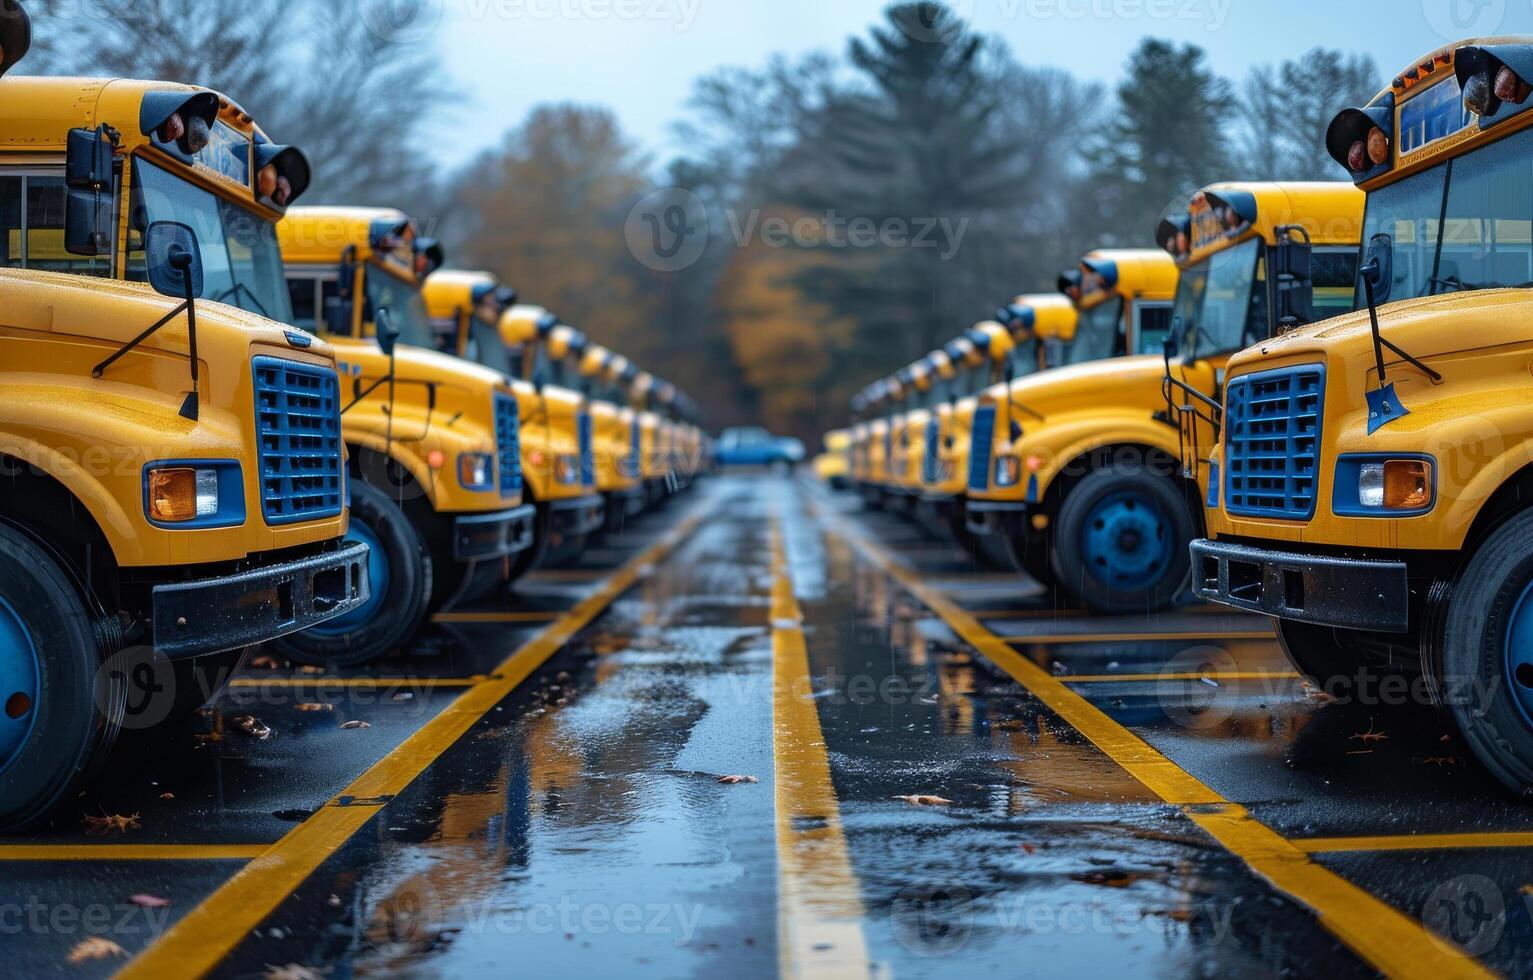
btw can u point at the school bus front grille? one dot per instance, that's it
(1272, 442)
(298, 427)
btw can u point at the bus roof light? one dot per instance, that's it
(288, 176)
(1361, 139)
(1493, 80)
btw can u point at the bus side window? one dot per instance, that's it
(32, 222)
(303, 293)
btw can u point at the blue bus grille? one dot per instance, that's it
(298, 425)
(1272, 442)
(508, 444)
(931, 466)
(587, 451)
(982, 436)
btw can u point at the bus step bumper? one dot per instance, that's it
(1349, 593)
(487, 537)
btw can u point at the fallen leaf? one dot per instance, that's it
(292, 971)
(1030, 848)
(733, 780)
(99, 826)
(315, 708)
(1110, 879)
(149, 901)
(167, 796)
(263, 662)
(924, 800)
(252, 726)
(1370, 735)
(311, 670)
(354, 725)
(95, 948)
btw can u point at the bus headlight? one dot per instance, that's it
(1008, 470)
(566, 469)
(181, 493)
(476, 470)
(1395, 484)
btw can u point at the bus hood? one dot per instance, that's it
(1427, 327)
(115, 312)
(1119, 382)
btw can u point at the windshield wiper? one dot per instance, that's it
(239, 288)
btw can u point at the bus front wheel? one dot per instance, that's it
(1487, 654)
(399, 578)
(60, 712)
(1121, 540)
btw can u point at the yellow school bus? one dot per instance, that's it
(654, 438)
(557, 450)
(964, 368)
(616, 434)
(437, 480)
(1043, 468)
(170, 453)
(907, 438)
(833, 467)
(1380, 510)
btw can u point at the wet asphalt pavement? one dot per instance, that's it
(767, 732)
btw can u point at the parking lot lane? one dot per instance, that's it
(1383, 937)
(200, 942)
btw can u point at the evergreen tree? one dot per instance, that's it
(1170, 134)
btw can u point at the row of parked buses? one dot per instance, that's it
(226, 421)
(1313, 402)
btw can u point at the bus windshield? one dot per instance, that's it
(1217, 300)
(1024, 359)
(1096, 335)
(241, 263)
(405, 307)
(1465, 224)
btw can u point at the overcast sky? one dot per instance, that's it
(640, 56)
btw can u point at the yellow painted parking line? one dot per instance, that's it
(819, 903)
(249, 683)
(201, 940)
(497, 617)
(131, 852)
(1213, 675)
(1060, 639)
(1381, 935)
(1415, 842)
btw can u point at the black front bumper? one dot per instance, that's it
(191, 619)
(1350, 593)
(628, 502)
(492, 536)
(986, 517)
(579, 515)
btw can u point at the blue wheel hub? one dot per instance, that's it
(1517, 653)
(378, 579)
(1127, 541)
(20, 671)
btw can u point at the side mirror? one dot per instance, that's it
(1378, 269)
(385, 330)
(15, 34)
(88, 192)
(173, 259)
(1293, 274)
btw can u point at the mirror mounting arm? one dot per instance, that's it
(189, 407)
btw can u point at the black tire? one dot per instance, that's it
(401, 609)
(77, 712)
(1333, 660)
(1482, 694)
(1096, 583)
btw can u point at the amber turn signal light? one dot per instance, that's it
(1407, 484)
(173, 495)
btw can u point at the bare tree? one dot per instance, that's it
(313, 73)
(1286, 109)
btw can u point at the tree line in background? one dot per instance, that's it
(860, 209)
